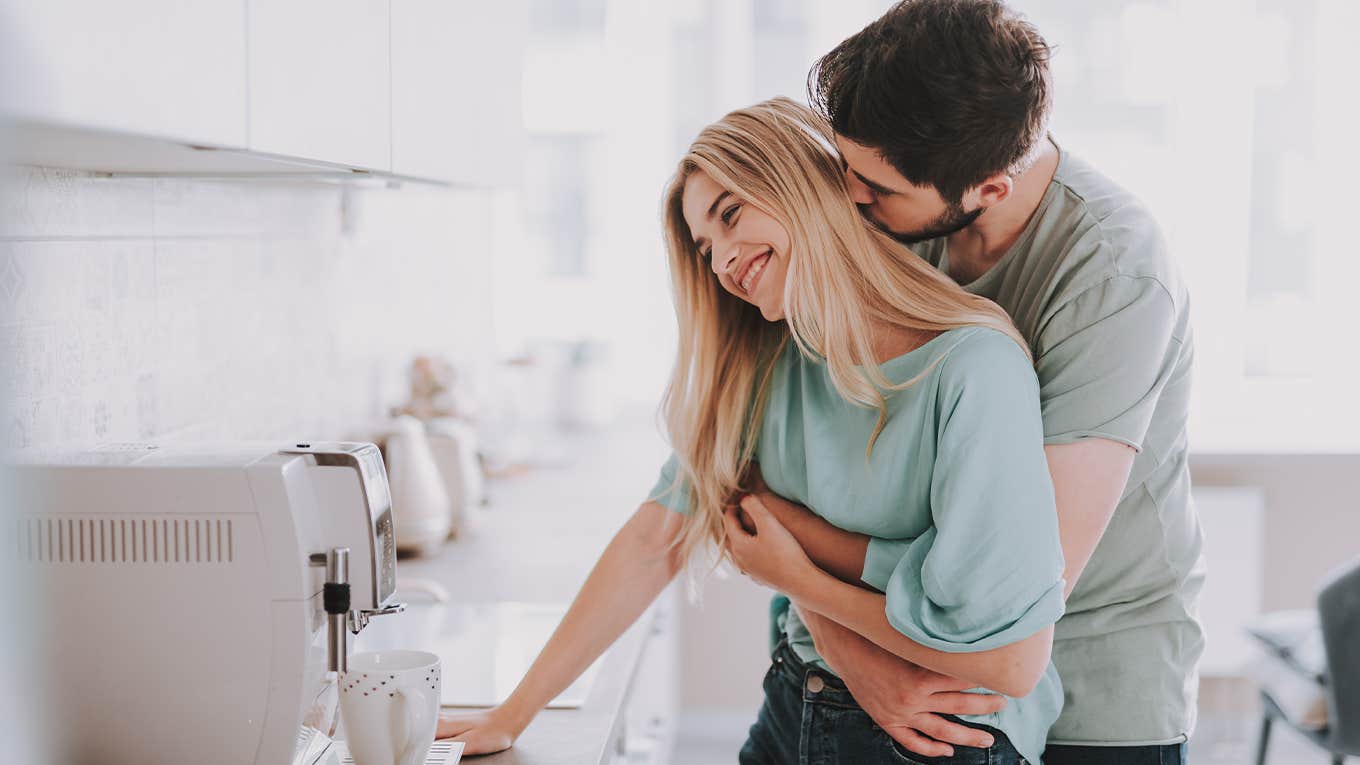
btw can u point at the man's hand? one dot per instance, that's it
(903, 699)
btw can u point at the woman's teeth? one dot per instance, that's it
(754, 271)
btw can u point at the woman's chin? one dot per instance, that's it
(771, 313)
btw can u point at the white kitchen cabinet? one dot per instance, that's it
(320, 81)
(457, 68)
(169, 69)
(423, 89)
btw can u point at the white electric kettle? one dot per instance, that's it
(420, 503)
(454, 446)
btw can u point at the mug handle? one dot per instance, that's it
(417, 719)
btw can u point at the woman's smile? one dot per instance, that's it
(750, 276)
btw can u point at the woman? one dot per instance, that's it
(867, 387)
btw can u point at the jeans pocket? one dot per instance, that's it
(903, 756)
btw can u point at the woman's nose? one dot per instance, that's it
(723, 257)
(859, 193)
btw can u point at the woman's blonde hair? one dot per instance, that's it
(844, 277)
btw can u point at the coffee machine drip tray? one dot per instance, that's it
(442, 752)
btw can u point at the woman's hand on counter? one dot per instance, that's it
(481, 732)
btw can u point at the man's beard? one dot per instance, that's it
(954, 218)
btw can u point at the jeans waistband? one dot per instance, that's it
(816, 685)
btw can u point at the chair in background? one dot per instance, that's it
(1318, 654)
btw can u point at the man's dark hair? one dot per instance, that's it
(949, 92)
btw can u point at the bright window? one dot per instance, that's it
(1233, 120)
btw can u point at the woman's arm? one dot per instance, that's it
(636, 566)
(835, 550)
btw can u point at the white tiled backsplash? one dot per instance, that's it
(175, 309)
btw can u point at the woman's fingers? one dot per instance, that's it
(453, 726)
(738, 523)
(754, 506)
(735, 532)
(913, 741)
(477, 742)
(966, 703)
(944, 730)
(456, 724)
(729, 519)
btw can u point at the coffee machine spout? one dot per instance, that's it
(358, 619)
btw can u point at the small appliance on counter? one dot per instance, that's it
(198, 598)
(454, 446)
(432, 456)
(420, 502)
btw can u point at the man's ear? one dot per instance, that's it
(991, 191)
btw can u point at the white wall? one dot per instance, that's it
(137, 308)
(1312, 516)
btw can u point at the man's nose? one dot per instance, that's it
(859, 193)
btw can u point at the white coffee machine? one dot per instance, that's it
(187, 591)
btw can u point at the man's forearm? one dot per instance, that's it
(1012, 669)
(836, 644)
(834, 550)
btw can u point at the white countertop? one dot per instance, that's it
(535, 541)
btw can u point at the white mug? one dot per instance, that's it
(389, 702)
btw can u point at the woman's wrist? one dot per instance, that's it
(515, 715)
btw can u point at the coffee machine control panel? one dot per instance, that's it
(367, 462)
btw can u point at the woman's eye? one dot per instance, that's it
(728, 213)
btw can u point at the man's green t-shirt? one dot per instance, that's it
(1091, 286)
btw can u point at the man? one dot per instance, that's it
(941, 110)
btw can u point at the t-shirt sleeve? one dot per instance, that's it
(989, 571)
(881, 559)
(667, 491)
(1103, 359)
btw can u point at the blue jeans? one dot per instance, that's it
(809, 718)
(1170, 754)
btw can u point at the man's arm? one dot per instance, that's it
(1013, 668)
(1089, 477)
(904, 699)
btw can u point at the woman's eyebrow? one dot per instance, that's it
(713, 207)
